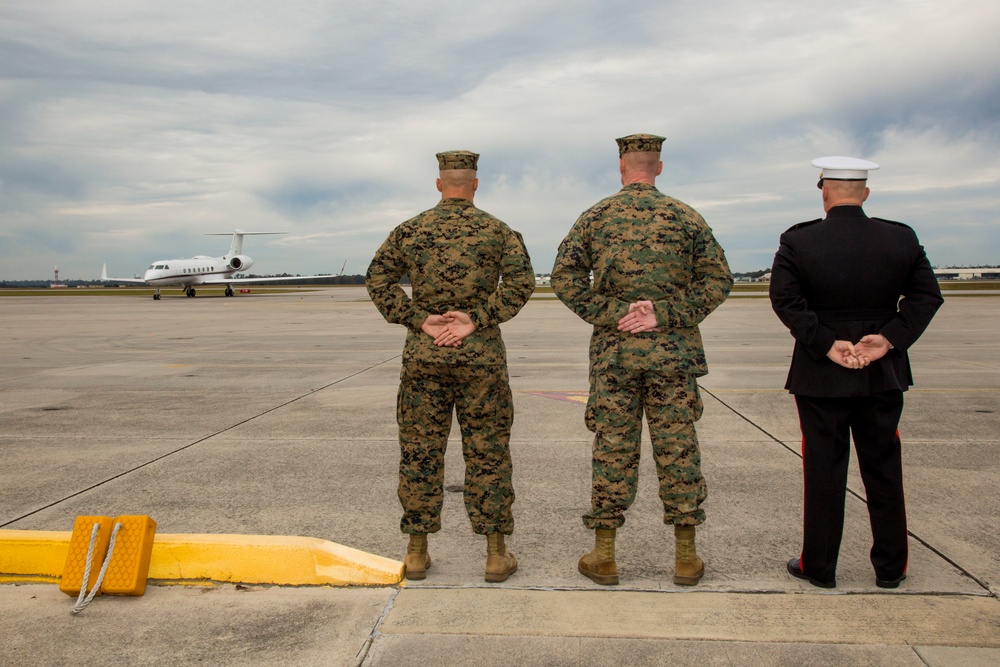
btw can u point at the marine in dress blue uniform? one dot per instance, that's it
(855, 292)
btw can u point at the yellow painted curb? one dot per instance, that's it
(39, 556)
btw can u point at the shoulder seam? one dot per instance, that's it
(892, 222)
(805, 224)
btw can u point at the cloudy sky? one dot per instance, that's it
(128, 130)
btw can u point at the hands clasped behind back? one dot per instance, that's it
(449, 329)
(641, 318)
(858, 355)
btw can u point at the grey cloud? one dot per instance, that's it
(122, 120)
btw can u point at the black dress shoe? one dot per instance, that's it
(795, 570)
(889, 583)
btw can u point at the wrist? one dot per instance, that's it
(479, 317)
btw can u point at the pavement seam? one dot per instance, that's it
(197, 442)
(985, 586)
(362, 654)
(693, 591)
(992, 593)
(916, 652)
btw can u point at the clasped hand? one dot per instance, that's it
(858, 355)
(449, 329)
(640, 319)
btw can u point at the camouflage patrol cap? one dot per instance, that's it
(639, 143)
(457, 160)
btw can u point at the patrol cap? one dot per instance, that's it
(457, 160)
(639, 143)
(839, 168)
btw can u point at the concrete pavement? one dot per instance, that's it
(274, 415)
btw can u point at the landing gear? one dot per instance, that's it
(156, 294)
(189, 292)
(229, 290)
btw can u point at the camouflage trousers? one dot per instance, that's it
(618, 399)
(480, 397)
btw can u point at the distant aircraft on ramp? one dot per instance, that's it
(204, 270)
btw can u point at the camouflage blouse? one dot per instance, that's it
(457, 257)
(643, 245)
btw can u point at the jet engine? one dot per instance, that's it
(240, 263)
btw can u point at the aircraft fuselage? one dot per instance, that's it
(195, 271)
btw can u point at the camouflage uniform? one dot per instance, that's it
(455, 255)
(642, 245)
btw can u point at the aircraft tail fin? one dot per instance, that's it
(236, 247)
(104, 272)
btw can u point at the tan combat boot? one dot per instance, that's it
(600, 564)
(689, 568)
(500, 563)
(417, 560)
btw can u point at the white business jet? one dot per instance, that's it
(203, 270)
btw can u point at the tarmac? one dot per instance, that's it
(273, 415)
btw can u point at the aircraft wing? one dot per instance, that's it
(222, 280)
(133, 281)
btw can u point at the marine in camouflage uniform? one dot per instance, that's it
(469, 272)
(645, 270)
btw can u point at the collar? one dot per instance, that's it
(845, 211)
(639, 187)
(455, 201)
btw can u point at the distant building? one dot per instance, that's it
(983, 273)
